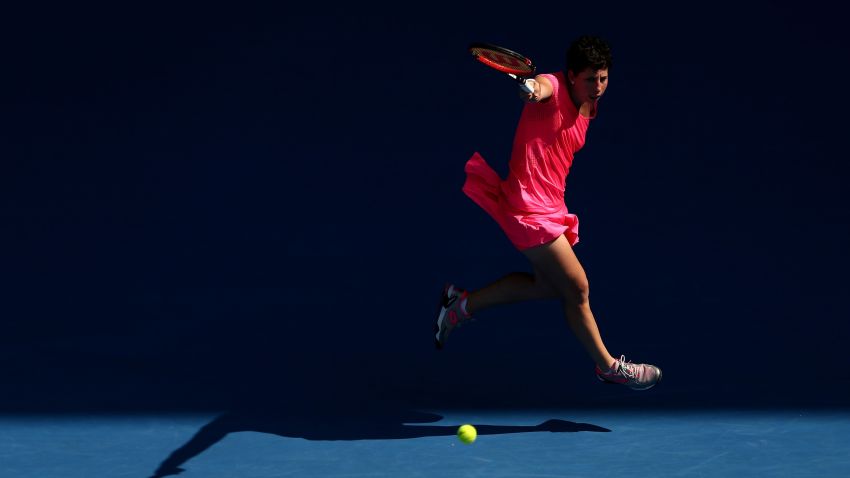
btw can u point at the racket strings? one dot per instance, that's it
(502, 61)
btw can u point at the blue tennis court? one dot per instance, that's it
(511, 443)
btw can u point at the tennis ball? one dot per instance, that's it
(467, 433)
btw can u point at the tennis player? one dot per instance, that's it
(529, 206)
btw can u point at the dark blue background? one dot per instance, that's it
(210, 206)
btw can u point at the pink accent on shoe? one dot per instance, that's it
(453, 317)
(611, 375)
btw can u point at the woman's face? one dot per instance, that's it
(589, 84)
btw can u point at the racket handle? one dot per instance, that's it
(524, 84)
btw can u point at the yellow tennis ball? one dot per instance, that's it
(467, 433)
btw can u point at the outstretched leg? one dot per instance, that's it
(559, 267)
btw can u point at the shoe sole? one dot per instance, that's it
(441, 314)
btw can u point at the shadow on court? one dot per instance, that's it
(325, 422)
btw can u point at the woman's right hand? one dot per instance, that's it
(534, 95)
(541, 90)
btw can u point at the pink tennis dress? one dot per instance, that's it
(529, 204)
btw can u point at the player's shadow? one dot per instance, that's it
(373, 421)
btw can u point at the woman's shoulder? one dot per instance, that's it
(556, 78)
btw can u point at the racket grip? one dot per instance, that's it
(524, 84)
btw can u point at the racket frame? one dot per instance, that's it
(521, 75)
(525, 72)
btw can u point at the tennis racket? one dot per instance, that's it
(507, 61)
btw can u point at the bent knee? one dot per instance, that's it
(576, 291)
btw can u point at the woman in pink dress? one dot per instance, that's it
(529, 207)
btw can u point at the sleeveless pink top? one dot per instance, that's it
(529, 204)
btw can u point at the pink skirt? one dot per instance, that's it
(524, 229)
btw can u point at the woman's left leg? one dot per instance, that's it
(513, 287)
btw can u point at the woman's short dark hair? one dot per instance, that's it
(588, 51)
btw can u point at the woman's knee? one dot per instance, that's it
(575, 291)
